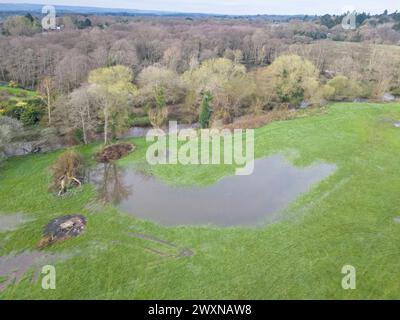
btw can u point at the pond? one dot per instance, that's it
(233, 201)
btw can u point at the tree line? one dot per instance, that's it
(117, 72)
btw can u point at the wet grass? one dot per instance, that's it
(347, 219)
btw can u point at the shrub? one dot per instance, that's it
(136, 121)
(158, 115)
(31, 115)
(30, 112)
(396, 92)
(342, 88)
(293, 78)
(13, 110)
(78, 135)
(13, 84)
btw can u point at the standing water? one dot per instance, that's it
(232, 201)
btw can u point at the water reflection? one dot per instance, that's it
(111, 186)
(232, 201)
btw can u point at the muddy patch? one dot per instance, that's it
(114, 152)
(11, 222)
(61, 229)
(14, 267)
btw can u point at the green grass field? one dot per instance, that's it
(346, 219)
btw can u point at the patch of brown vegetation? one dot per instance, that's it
(114, 152)
(256, 121)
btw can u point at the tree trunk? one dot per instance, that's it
(84, 128)
(105, 126)
(48, 103)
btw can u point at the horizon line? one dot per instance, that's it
(159, 12)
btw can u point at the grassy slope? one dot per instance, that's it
(347, 219)
(19, 92)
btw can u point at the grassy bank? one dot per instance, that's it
(18, 92)
(347, 219)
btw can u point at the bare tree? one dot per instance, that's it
(81, 113)
(48, 93)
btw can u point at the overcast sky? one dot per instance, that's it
(233, 6)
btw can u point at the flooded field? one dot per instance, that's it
(233, 201)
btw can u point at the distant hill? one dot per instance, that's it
(37, 8)
(14, 8)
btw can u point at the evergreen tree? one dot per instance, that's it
(205, 112)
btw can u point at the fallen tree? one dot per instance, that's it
(67, 171)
